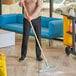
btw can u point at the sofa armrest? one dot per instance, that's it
(8, 18)
(45, 20)
(56, 28)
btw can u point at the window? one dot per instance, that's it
(45, 0)
(58, 1)
(72, 0)
(16, 1)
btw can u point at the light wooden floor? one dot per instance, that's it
(66, 66)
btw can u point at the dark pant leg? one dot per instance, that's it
(37, 27)
(26, 30)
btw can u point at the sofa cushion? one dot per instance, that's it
(8, 18)
(18, 28)
(44, 32)
(13, 27)
(56, 28)
(45, 21)
(20, 18)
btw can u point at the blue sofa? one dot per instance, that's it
(50, 28)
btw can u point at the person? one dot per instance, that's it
(33, 8)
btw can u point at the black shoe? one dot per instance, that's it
(39, 58)
(21, 58)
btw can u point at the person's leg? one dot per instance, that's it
(37, 27)
(26, 30)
